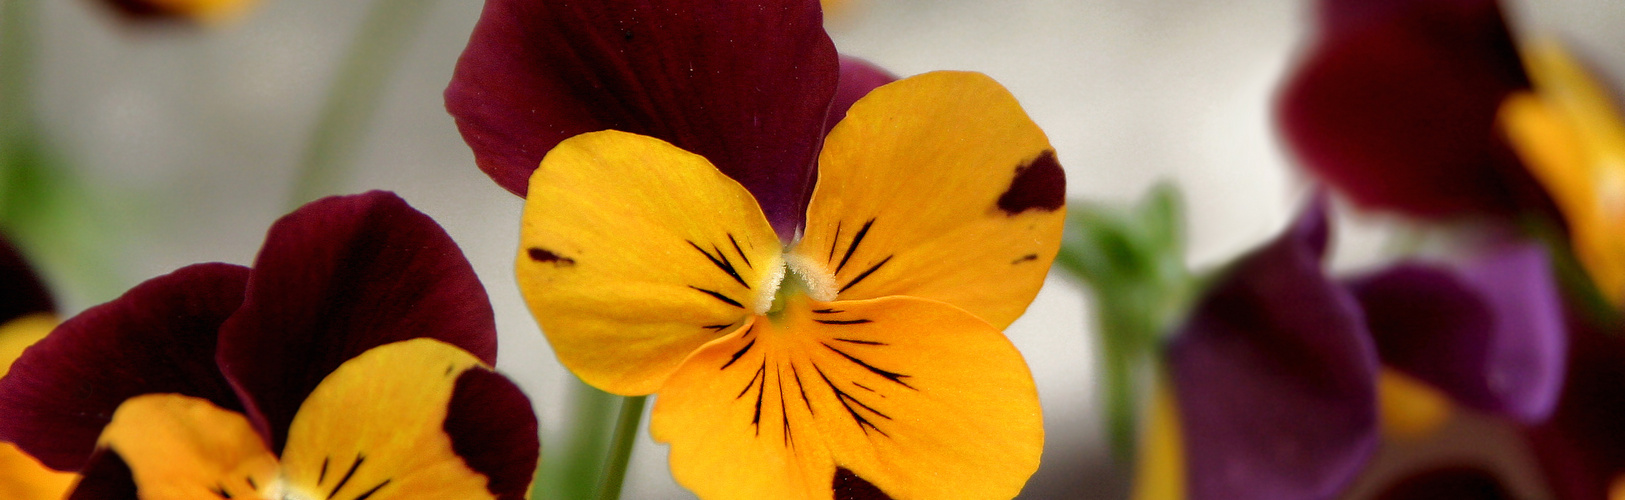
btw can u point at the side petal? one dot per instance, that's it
(180, 447)
(1491, 335)
(858, 78)
(21, 291)
(1395, 106)
(1276, 377)
(635, 253)
(744, 83)
(937, 186)
(895, 398)
(24, 478)
(335, 278)
(378, 428)
(157, 338)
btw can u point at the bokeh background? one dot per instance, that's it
(187, 141)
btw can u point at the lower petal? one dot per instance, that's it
(378, 427)
(898, 397)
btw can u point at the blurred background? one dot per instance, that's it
(186, 140)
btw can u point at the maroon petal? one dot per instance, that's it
(744, 83)
(335, 278)
(106, 477)
(21, 291)
(1454, 483)
(1395, 106)
(1582, 447)
(493, 428)
(1491, 334)
(1276, 377)
(157, 338)
(858, 77)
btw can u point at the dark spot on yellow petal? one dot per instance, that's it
(1039, 184)
(849, 486)
(542, 255)
(1025, 258)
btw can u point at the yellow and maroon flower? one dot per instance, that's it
(352, 359)
(27, 313)
(819, 315)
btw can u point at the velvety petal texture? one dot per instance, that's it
(21, 291)
(1275, 377)
(1490, 334)
(157, 338)
(335, 278)
(1395, 107)
(743, 83)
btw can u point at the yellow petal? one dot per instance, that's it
(180, 447)
(635, 253)
(910, 397)
(22, 477)
(937, 186)
(17, 334)
(1410, 409)
(375, 426)
(1571, 138)
(1160, 473)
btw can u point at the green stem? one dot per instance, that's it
(571, 472)
(620, 448)
(356, 93)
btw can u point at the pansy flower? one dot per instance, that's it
(1277, 383)
(27, 313)
(352, 361)
(1394, 105)
(810, 332)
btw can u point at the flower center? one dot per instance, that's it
(798, 277)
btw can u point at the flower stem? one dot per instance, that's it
(620, 448)
(355, 94)
(571, 471)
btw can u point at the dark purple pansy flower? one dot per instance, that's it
(1394, 105)
(344, 280)
(751, 85)
(1276, 375)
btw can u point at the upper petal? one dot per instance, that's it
(635, 253)
(335, 278)
(21, 291)
(744, 83)
(1395, 106)
(393, 423)
(157, 338)
(1490, 334)
(938, 186)
(895, 397)
(858, 78)
(1275, 376)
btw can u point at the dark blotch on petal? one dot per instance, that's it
(541, 255)
(106, 477)
(157, 338)
(849, 486)
(1396, 105)
(493, 428)
(335, 278)
(21, 292)
(1039, 184)
(1453, 483)
(1491, 334)
(1275, 376)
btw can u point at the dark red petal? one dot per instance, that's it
(1491, 334)
(1453, 483)
(335, 278)
(1275, 377)
(493, 428)
(157, 338)
(744, 83)
(1395, 106)
(21, 291)
(858, 77)
(1582, 447)
(106, 477)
